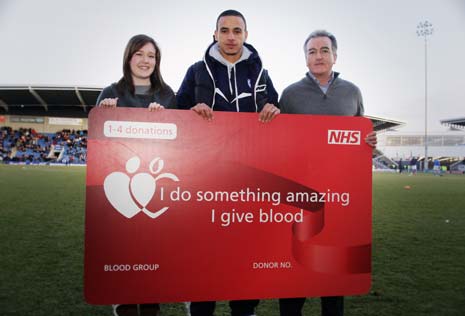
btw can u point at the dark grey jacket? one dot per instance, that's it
(164, 97)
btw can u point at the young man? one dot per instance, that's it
(321, 91)
(229, 78)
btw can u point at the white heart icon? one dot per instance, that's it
(116, 187)
(143, 187)
(130, 196)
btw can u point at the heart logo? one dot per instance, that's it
(131, 195)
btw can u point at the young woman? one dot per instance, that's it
(141, 86)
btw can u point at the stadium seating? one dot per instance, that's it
(26, 146)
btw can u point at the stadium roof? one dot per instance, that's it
(380, 124)
(457, 123)
(47, 100)
(77, 101)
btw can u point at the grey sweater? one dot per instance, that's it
(306, 97)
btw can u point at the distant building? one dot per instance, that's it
(450, 143)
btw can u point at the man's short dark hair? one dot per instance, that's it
(322, 33)
(231, 13)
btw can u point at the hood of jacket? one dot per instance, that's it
(249, 55)
(246, 70)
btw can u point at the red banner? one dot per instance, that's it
(181, 209)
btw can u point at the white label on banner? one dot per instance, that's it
(145, 130)
(343, 137)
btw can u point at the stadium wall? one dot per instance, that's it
(397, 145)
(44, 124)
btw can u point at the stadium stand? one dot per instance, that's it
(26, 146)
(52, 138)
(77, 102)
(448, 147)
(457, 124)
(48, 112)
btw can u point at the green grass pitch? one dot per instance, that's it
(418, 247)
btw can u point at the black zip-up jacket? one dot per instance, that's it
(244, 87)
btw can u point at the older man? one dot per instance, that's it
(323, 92)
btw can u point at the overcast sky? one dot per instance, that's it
(81, 43)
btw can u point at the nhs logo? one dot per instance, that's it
(343, 137)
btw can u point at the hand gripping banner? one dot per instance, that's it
(181, 209)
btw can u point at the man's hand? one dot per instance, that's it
(108, 103)
(203, 110)
(372, 139)
(155, 107)
(268, 113)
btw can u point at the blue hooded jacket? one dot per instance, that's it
(240, 87)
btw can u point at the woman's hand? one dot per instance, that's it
(155, 107)
(108, 103)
